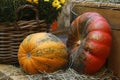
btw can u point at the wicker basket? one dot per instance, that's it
(12, 34)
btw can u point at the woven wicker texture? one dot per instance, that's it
(11, 35)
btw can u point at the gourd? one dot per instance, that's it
(42, 53)
(89, 42)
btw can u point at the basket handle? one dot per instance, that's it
(27, 6)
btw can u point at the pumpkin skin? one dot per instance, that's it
(89, 42)
(42, 53)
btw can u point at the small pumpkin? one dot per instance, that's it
(89, 43)
(42, 53)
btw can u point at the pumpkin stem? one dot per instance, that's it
(28, 55)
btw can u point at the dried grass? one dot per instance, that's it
(69, 74)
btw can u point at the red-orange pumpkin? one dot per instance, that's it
(89, 42)
(42, 52)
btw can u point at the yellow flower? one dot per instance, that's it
(62, 1)
(46, 0)
(59, 6)
(56, 4)
(33, 1)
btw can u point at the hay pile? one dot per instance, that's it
(10, 72)
(70, 74)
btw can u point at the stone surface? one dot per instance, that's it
(10, 72)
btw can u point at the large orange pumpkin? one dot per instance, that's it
(42, 52)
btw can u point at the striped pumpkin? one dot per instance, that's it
(42, 53)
